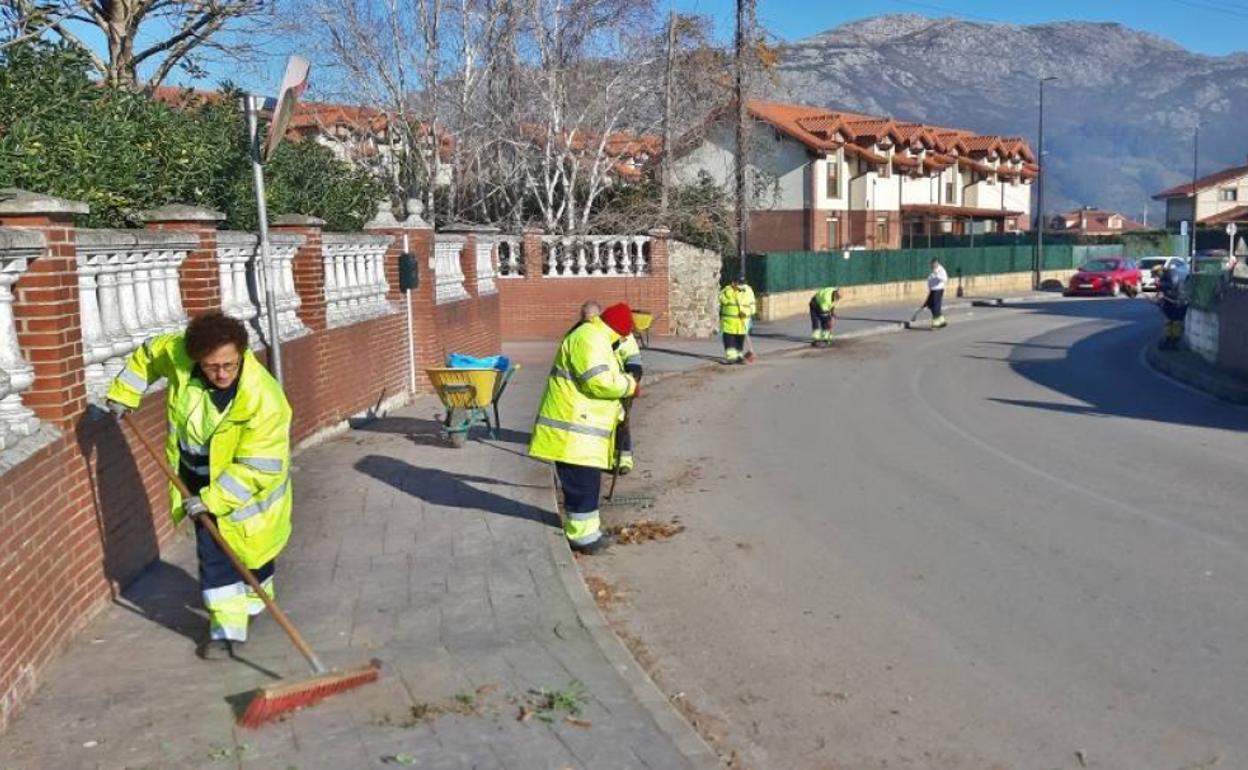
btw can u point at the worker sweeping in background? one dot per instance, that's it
(229, 439)
(736, 311)
(578, 417)
(823, 315)
(628, 353)
(936, 281)
(1173, 306)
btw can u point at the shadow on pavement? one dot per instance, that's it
(451, 490)
(423, 432)
(165, 593)
(682, 353)
(1103, 373)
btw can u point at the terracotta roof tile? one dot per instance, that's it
(1184, 190)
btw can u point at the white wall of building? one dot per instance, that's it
(779, 165)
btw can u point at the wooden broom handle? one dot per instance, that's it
(210, 524)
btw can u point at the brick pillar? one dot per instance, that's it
(660, 279)
(532, 250)
(199, 276)
(45, 306)
(419, 237)
(309, 267)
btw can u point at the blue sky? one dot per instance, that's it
(1208, 26)
(1213, 27)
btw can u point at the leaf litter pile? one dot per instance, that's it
(645, 531)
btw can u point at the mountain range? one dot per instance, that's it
(1119, 120)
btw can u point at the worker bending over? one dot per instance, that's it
(823, 315)
(628, 353)
(577, 420)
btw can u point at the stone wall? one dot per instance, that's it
(694, 276)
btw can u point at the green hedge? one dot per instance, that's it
(777, 272)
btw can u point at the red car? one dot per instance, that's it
(1110, 276)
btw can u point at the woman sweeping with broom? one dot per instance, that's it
(229, 439)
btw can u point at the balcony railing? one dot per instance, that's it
(448, 284)
(17, 249)
(243, 283)
(595, 256)
(355, 277)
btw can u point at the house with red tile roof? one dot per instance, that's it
(1221, 198)
(1093, 221)
(831, 179)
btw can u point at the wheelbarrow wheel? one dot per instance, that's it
(456, 427)
(459, 438)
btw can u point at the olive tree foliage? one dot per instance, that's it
(122, 39)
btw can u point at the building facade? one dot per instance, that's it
(1221, 198)
(1093, 221)
(825, 180)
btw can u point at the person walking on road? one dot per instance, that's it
(736, 312)
(628, 353)
(936, 281)
(1173, 307)
(577, 420)
(823, 315)
(229, 439)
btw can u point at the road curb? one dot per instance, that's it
(670, 722)
(1173, 365)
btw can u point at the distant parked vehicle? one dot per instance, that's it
(1110, 276)
(1148, 281)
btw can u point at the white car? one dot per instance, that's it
(1148, 281)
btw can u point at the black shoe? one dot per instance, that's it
(220, 649)
(596, 547)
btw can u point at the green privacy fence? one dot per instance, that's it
(777, 272)
(1204, 289)
(1139, 243)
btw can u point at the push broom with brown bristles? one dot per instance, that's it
(272, 701)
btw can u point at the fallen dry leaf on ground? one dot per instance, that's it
(645, 531)
(578, 722)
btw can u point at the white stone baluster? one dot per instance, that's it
(156, 280)
(355, 277)
(17, 248)
(144, 307)
(95, 347)
(485, 266)
(447, 270)
(173, 289)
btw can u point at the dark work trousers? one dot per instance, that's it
(935, 298)
(733, 342)
(819, 320)
(215, 568)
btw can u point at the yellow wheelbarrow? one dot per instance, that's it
(642, 321)
(468, 395)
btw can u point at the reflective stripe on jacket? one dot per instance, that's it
(825, 299)
(733, 303)
(581, 406)
(246, 449)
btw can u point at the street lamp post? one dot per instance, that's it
(1038, 262)
(1191, 256)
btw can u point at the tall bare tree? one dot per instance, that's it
(122, 36)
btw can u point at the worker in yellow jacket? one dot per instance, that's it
(736, 312)
(823, 315)
(229, 439)
(576, 422)
(628, 353)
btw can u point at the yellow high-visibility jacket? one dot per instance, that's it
(825, 299)
(628, 353)
(733, 303)
(247, 448)
(581, 406)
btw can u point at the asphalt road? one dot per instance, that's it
(1007, 544)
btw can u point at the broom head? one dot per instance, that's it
(276, 700)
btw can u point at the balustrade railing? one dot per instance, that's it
(17, 249)
(242, 278)
(355, 277)
(448, 284)
(510, 257)
(485, 248)
(128, 290)
(595, 256)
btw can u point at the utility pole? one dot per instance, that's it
(1191, 256)
(742, 204)
(1038, 262)
(665, 166)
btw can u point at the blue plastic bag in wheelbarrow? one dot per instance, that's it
(461, 361)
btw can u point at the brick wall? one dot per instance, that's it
(535, 306)
(83, 514)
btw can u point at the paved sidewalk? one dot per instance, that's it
(435, 560)
(1189, 368)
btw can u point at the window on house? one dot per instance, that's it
(834, 178)
(881, 231)
(834, 234)
(951, 193)
(1228, 194)
(885, 170)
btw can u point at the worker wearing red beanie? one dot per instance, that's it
(576, 423)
